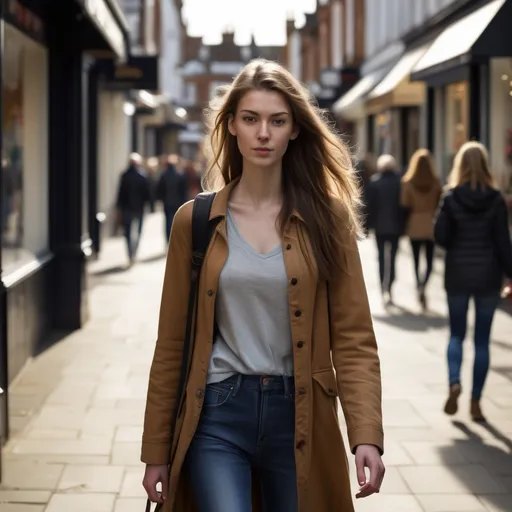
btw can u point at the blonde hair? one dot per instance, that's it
(316, 165)
(471, 165)
(421, 171)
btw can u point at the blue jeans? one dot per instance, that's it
(132, 243)
(247, 423)
(485, 306)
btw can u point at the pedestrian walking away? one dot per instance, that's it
(421, 191)
(282, 327)
(172, 190)
(386, 218)
(472, 225)
(133, 195)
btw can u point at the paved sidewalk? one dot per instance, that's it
(77, 409)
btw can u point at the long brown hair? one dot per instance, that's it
(471, 165)
(316, 165)
(421, 172)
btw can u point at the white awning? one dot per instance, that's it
(458, 39)
(351, 104)
(400, 72)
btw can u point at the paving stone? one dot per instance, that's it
(12, 507)
(26, 474)
(497, 503)
(91, 479)
(461, 479)
(81, 502)
(388, 502)
(24, 496)
(130, 505)
(450, 503)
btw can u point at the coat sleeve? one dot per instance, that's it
(165, 369)
(443, 228)
(354, 350)
(501, 235)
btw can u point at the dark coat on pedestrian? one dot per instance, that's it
(386, 216)
(335, 356)
(134, 191)
(172, 188)
(472, 225)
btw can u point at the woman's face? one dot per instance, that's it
(263, 126)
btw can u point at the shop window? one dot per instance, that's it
(500, 150)
(457, 130)
(24, 150)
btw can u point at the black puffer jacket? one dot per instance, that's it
(472, 225)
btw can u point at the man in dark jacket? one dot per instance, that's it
(172, 190)
(386, 217)
(132, 196)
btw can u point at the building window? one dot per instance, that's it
(24, 150)
(501, 123)
(456, 112)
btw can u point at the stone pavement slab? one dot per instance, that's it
(78, 407)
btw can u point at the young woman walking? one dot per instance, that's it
(472, 226)
(421, 191)
(283, 329)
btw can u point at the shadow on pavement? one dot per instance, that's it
(505, 371)
(118, 269)
(402, 318)
(476, 452)
(152, 258)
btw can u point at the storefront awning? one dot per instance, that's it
(483, 33)
(351, 105)
(139, 72)
(396, 90)
(110, 22)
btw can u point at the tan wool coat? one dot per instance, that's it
(422, 203)
(335, 321)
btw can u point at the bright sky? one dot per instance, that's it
(265, 18)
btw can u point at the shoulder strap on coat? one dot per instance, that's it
(202, 229)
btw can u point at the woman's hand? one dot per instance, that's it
(368, 456)
(153, 475)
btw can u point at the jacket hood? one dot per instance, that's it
(475, 200)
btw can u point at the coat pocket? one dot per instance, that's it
(327, 381)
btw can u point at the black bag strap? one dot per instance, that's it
(202, 232)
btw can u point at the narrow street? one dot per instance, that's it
(77, 409)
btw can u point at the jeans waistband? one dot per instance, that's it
(283, 383)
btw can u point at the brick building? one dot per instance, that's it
(205, 67)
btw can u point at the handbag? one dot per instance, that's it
(202, 232)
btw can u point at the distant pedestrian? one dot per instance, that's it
(283, 322)
(421, 191)
(386, 218)
(472, 225)
(365, 170)
(132, 197)
(172, 190)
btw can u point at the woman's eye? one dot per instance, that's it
(279, 122)
(249, 119)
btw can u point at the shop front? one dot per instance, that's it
(370, 129)
(467, 96)
(395, 104)
(43, 186)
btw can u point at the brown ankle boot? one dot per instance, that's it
(476, 412)
(451, 405)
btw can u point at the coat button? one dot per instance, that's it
(298, 313)
(288, 247)
(300, 444)
(294, 281)
(210, 293)
(199, 393)
(300, 344)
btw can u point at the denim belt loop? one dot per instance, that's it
(238, 384)
(286, 382)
